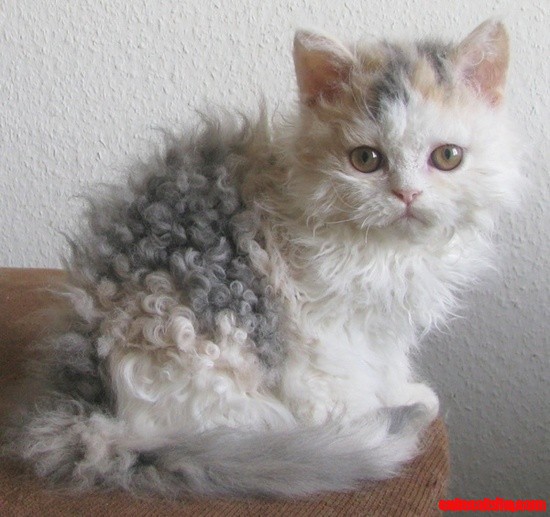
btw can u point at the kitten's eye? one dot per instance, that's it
(366, 159)
(447, 157)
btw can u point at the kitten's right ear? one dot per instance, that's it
(482, 60)
(322, 66)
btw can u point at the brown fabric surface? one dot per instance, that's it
(415, 493)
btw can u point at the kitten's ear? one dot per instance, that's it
(482, 60)
(322, 66)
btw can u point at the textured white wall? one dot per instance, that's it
(83, 84)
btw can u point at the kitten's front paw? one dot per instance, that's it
(418, 393)
(407, 419)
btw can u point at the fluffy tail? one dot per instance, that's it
(70, 445)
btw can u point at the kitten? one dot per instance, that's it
(245, 310)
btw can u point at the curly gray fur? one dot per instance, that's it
(184, 215)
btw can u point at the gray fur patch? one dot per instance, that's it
(437, 54)
(392, 85)
(73, 368)
(186, 217)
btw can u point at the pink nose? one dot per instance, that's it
(407, 196)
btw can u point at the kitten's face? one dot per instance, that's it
(399, 143)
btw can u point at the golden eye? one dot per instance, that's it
(447, 157)
(366, 159)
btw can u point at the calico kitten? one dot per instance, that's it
(245, 309)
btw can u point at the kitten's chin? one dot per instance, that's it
(411, 226)
(408, 216)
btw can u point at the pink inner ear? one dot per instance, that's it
(483, 60)
(489, 78)
(322, 67)
(326, 82)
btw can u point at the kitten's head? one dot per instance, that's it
(404, 139)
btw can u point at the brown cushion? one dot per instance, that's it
(22, 292)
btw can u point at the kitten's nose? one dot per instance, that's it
(407, 196)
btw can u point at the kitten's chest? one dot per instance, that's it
(365, 291)
(364, 301)
(362, 324)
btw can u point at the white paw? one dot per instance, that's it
(420, 393)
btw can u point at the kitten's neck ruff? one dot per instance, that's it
(334, 271)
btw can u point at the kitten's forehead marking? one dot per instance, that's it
(391, 86)
(423, 68)
(432, 76)
(426, 81)
(437, 55)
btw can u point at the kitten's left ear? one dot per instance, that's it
(482, 60)
(322, 66)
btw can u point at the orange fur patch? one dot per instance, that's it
(424, 80)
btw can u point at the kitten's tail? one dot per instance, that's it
(87, 451)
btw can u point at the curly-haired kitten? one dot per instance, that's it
(245, 309)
